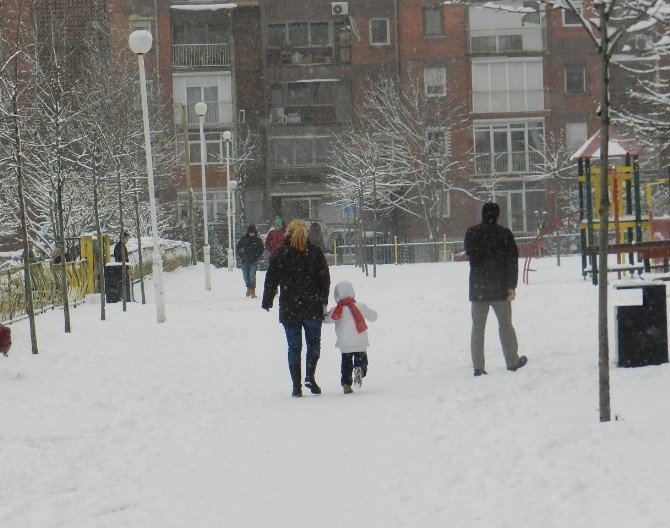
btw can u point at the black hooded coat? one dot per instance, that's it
(304, 281)
(494, 261)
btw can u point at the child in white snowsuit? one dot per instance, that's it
(352, 334)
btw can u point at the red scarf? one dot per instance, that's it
(355, 312)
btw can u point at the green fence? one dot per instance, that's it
(46, 284)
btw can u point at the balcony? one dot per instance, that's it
(303, 114)
(218, 113)
(302, 55)
(506, 41)
(501, 163)
(506, 101)
(201, 55)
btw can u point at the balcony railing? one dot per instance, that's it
(502, 101)
(503, 41)
(507, 163)
(218, 113)
(298, 114)
(199, 55)
(303, 56)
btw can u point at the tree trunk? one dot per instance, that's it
(139, 246)
(187, 170)
(603, 339)
(124, 271)
(101, 252)
(63, 267)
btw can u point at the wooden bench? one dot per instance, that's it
(644, 251)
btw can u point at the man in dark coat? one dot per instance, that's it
(300, 269)
(249, 251)
(120, 249)
(494, 268)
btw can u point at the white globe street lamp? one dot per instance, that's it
(140, 43)
(227, 136)
(201, 110)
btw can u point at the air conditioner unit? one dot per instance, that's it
(339, 8)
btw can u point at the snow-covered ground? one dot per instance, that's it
(190, 424)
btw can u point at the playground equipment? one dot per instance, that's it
(89, 255)
(626, 219)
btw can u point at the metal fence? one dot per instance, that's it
(46, 284)
(403, 252)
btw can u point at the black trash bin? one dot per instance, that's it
(113, 272)
(642, 331)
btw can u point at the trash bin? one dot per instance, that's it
(642, 331)
(113, 272)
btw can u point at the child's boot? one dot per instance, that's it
(347, 389)
(358, 377)
(252, 293)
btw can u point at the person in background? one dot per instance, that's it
(55, 256)
(352, 334)
(249, 251)
(494, 269)
(315, 236)
(120, 249)
(275, 237)
(300, 270)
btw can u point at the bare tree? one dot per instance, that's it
(402, 138)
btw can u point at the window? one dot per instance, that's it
(508, 147)
(310, 102)
(217, 205)
(306, 151)
(575, 81)
(379, 31)
(140, 23)
(208, 95)
(437, 142)
(213, 147)
(433, 25)
(570, 18)
(507, 85)
(300, 34)
(445, 203)
(435, 80)
(575, 136)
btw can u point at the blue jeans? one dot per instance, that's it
(294, 339)
(249, 273)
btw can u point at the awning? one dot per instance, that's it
(203, 7)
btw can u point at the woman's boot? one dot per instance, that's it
(310, 382)
(295, 378)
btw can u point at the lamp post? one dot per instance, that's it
(140, 43)
(227, 136)
(233, 188)
(201, 110)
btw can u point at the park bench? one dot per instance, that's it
(644, 253)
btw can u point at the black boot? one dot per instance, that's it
(295, 378)
(310, 382)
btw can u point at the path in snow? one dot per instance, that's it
(191, 424)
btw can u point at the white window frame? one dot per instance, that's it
(565, 78)
(432, 73)
(388, 32)
(490, 91)
(566, 10)
(217, 205)
(212, 138)
(222, 80)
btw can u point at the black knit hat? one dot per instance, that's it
(490, 212)
(252, 229)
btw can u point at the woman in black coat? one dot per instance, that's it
(300, 270)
